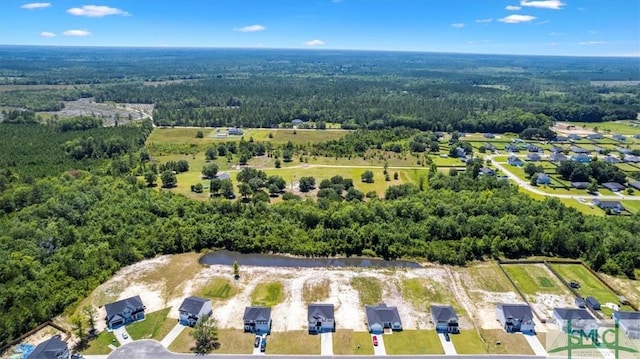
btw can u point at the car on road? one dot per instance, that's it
(125, 336)
(256, 343)
(375, 341)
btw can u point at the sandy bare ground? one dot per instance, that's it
(106, 111)
(561, 127)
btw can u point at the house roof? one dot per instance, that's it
(254, 314)
(580, 184)
(557, 157)
(543, 177)
(613, 186)
(534, 156)
(577, 149)
(572, 314)
(121, 306)
(49, 349)
(519, 311)
(620, 315)
(580, 156)
(443, 313)
(607, 204)
(193, 305)
(223, 176)
(592, 300)
(635, 184)
(487, 171)
(610, 159)
(382, 314)
(320, 311)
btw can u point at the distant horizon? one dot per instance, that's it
(324, 49)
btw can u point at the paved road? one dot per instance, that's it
(326, 344)
(172, 335)
(448, 347)
(526, 185)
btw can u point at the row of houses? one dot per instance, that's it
(593, 136)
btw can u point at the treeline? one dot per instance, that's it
(77, 229)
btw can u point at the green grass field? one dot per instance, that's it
(621, 127)
(422, 293)
(348, 342)
(533, 279)
(100, 345)
(369, 290)
(293, 342)
(509, 343)
(218, 288)
(632, 206)
(314, 292)
(279, 136)
(488, 276)
(232, 341)
(268, 294)
(183, 343)
(468, 342)
(413, 342)
(155, 326)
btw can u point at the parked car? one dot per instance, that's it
(375, 341)
(447, 337)
(125, 336)
(263, 345)
(256, 343)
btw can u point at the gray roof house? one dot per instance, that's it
(512, 148)
(194, 308)
(444, 318)
(223, 176)
(382, 317)
(514, 161)
(543, 178)
(635, 184)
(257, 320)
(573, 318)
(557, 157)
(613, 186)
(592, 303)
(610, 159)
(595, 136)
(487, 171)
(580, 185)
(321, 318)
(614, 206)
(581, 158)
(629, 322)
(53, 348)
(515, 317)
(124, 312)
(631, 158)
(576, 149)
(618, 137)
(533, 157)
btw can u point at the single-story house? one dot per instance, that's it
(489, 147)
(581, 158)
(533, 148)
(635, 184)
(624, 151)
(595, 136)
(561, 139)
(543, 178)
(557, 157)
(515, 317)
(514, 161)
(223, 176)
(235, 131)
(576, 149)
(592, 303)
(613, 186)
(445, 319)
(53, 348)
(637, 137)
(610, 160)
(574, 137)
(459, 152)
(599, 149)
(613, 206)
(194, 308)
(618, 137)
(321, 318)
(629, 322)
(489, 135)
(580, 303)
(556, 149)
(580, 185)
(124, 312)
(573, 319)
(533, 157)
(511, 148)
(382, 317)
(631, 158)
(257, 320)
(485, 171)
(297, 122)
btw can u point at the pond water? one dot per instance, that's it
(274, 260)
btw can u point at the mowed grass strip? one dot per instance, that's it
(279, 136)
(509, 343)
(313, 292)
(100, 345)
(421, 293)
(267, 294)
(235, 341)
(155, 326)
(369, 290)
(183, 343)
(468, 342)
(293, 342)
(348, 342)
(413, 342)
(218, 288)
(488, 276)
(533, 279)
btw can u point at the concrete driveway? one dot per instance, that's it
(326, 344)
(448, 347)
(120, 334)
(172, 335)
(380, 349)
(535, 345)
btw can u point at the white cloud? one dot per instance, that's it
(513, 8)
(250, 28)
(592, 43)
(47, 34)
(76, 33)
(36, 5)
(515, 19)
(314, 42)
(481, 21)
(96, 11)
(543, 4)
(458, 25)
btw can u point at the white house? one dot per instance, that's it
(194, 308)
(629, 322)
(257, 320)
(572, 319)
(321, 318)
(445, 319)
(515, 318)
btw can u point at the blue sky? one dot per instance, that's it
(537, 27)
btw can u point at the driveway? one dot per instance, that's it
(120, 334)
(535, 344)
(256, 351)
(326, 344)
(380, 349)
(448, 347)
(172, 335)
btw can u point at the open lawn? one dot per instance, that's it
(313, 292)
(348, 342)
(621, 127)
(632, 206)
(279, 136)
(489, 277)
(422, 293)
(235, 341)
(100, 345)
(267, 294)
(369, 290)
(218, 288)
(533, 279)
(413, 342)
(468, 342)
(183, 343)
(293, 342)
(508, 343)
(155, 326)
